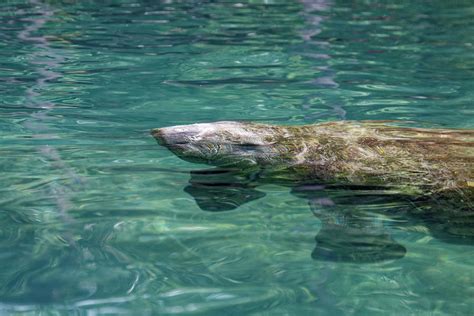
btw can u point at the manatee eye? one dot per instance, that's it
(248, 146)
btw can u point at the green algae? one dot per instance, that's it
(413, 160)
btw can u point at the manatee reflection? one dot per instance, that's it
(348, 232)
(220, 190)
(352, 228)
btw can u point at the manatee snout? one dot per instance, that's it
(159, 135)
(175, 135)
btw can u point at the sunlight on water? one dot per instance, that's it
(96, 218)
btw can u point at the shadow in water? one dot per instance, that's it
(218, 190)
(349, 233)
(353, 219)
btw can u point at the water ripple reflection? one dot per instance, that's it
(97, 219)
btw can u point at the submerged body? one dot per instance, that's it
(344, 153)
(342, 169)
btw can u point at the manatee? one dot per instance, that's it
(427, 174)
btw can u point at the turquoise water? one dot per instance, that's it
(94, 218)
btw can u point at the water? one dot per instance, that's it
(94, 218)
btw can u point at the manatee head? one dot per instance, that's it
(220, 143)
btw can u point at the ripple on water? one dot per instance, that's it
(94, 216)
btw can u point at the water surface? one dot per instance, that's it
(94, 217)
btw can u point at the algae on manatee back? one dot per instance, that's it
(349, 152)
(424, 173)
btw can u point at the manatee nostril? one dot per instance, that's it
(156, 132)
(159, 135)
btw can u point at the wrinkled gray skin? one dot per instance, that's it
(383, 163)
(347, 152)
(219, 143)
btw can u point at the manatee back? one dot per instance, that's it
(377, 153)
(449, 153)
